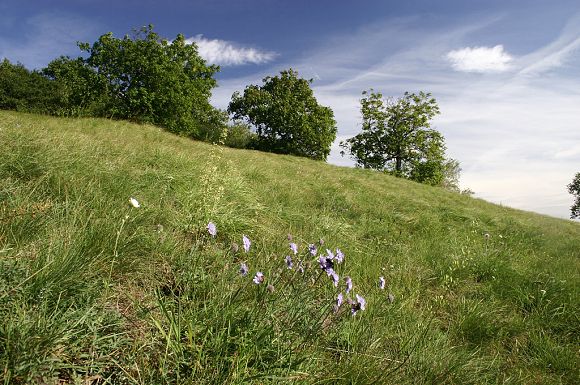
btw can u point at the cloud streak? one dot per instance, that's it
(227, 53)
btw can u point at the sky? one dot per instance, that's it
(505, 73)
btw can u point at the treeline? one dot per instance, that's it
(148, 79)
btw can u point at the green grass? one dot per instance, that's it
(94, 291)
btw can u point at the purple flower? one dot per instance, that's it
(326, 264)
(361, 301)
(348, 284)
(211, 229)
(244, 269)
(382, 283)
(258, 278)
(294, 248)
(334, 277)
(329, 254)
(312, 249)
(247, 243)
(360, 304)
(339, 256)
(289, 263)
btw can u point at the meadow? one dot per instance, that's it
(129, 255)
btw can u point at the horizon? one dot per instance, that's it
(505, 73)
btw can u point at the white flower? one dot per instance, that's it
(134, 202)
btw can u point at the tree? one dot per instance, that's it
(396, 138)
(286, 116)
(143, 78)
(574, 189)
(24, 90)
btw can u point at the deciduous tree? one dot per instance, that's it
(397, 138)
(286, 116)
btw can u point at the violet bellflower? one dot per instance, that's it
(258, 278)
(382, 283)
(211, 229)
(312, 249)
(348, 281)
(244, 269)
(246, 242)
(339, 256)
(289, 262)
(329, 254)
(294, 248)
(334, 276)
(360, 304)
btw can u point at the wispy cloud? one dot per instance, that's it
(227, 53)
(480, 59)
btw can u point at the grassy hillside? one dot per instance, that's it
(95, 291)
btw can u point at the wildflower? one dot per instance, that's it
(382, 283)
(211, 229)
(258, 278)
(244, 269)
(270, 288)
(334, 277)
(247, 243)
(134, 202)
(301, 267)
(339, 299)
(289, 237)
(325, 263)
(360, 304)
(312, 249)
(294, 248)
(348, 281)
(289, 262)
(339, 256)
(329, 254)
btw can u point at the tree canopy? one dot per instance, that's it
(397, 138)
(574, 189)
(286, 116)
(144, 78)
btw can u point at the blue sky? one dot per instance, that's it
(506, 73)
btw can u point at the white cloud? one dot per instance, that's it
(226, 53)
(480, 59)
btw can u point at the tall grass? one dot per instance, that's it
(96, 291)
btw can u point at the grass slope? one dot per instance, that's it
(94, 291)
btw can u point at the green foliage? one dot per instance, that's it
(83, 92)
(574, 189)
(396, 137)
(23, 90)
(287, 117)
